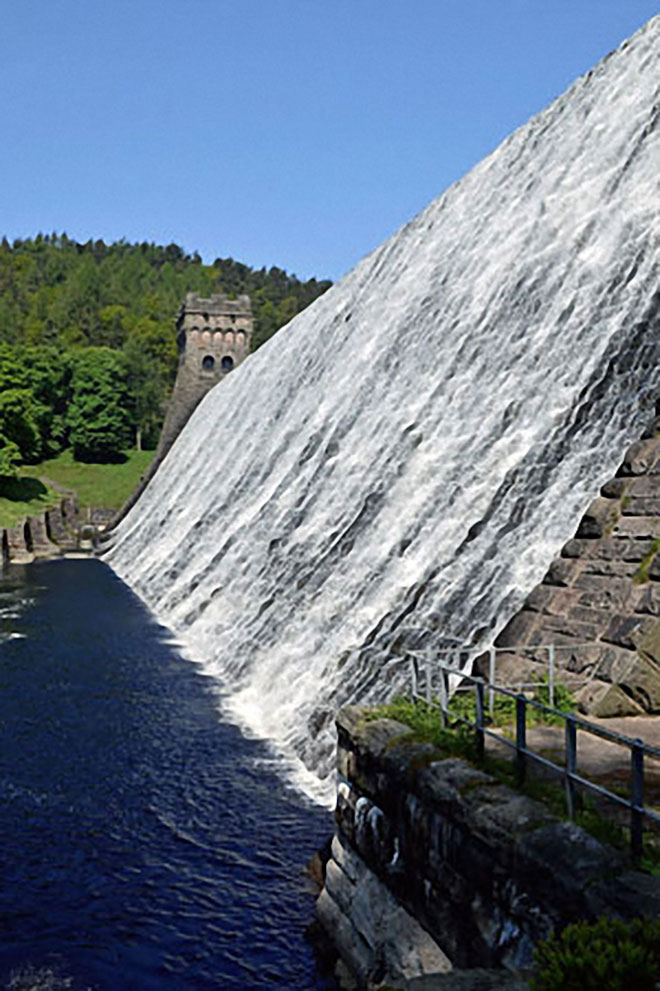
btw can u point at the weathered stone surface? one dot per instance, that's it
(605, 592)
(599, 518)
(650, 643)
(615, 569)
(615, 488)
(574, 548)
(512, 670)
(642, 506)
(641, 487)
(376, 936)
(648, 598)
(637, 527)
(574, 629)
(518, 630)
(641, 457)
(547, 599)
(562, 572)
(605, 701)
(477, 979)
(60, 528)
(628, 630)
(42, 546)
(18, 545)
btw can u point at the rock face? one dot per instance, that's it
(599, 602)
(435, 861)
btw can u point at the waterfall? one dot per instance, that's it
(401, 462)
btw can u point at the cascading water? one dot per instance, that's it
(404, 459)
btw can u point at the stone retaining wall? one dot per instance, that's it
(603, 590)
(436, 864)
(47, 535)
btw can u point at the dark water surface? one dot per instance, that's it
(145, 843)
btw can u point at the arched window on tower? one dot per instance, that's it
(227, 363)
(208, 363)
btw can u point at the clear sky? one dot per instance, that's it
(297, 133)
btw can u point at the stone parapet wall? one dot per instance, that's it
(49, 534)
(599, 602)
(475, 873)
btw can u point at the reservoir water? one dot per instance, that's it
(146, 844)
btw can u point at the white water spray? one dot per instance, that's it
(409, 453)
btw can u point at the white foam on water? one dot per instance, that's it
(401, 462)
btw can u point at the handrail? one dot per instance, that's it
(638, 749)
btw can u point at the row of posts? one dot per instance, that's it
(570, 725)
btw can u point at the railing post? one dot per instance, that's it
(571, 764)
(413, 676)
(636, 798)
(479, 720)
(427, 662)
(521, 738)
(491, 681)
(551, 675)
(444, 694)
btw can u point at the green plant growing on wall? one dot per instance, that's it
(642, 573)
(607, 955)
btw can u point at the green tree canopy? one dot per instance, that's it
(98, 416)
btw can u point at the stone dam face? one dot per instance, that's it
(402, 462)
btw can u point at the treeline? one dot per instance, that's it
(85, 399)
(60, 299)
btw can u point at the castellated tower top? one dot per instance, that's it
(217, 311)
(214, 336)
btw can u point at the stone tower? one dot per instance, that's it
(214, 337)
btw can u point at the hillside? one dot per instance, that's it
(87, 338)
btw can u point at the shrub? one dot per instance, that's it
(607, 955)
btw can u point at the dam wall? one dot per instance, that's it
(396, 468)
(437, 865)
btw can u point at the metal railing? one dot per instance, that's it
(639, 750)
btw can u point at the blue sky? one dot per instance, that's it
(299, 133)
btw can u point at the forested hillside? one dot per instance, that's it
(87, 338)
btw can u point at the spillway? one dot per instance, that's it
(401, 462)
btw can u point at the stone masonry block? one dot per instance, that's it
(518, 630)
(600, 515)
(638, 527)
(641, 457)
(562, 571)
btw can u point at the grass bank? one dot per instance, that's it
(103, 485)
(21, 497)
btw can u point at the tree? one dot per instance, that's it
(97, 417)
(10, 458)
(18, 422)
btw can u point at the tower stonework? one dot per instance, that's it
(213, 335)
